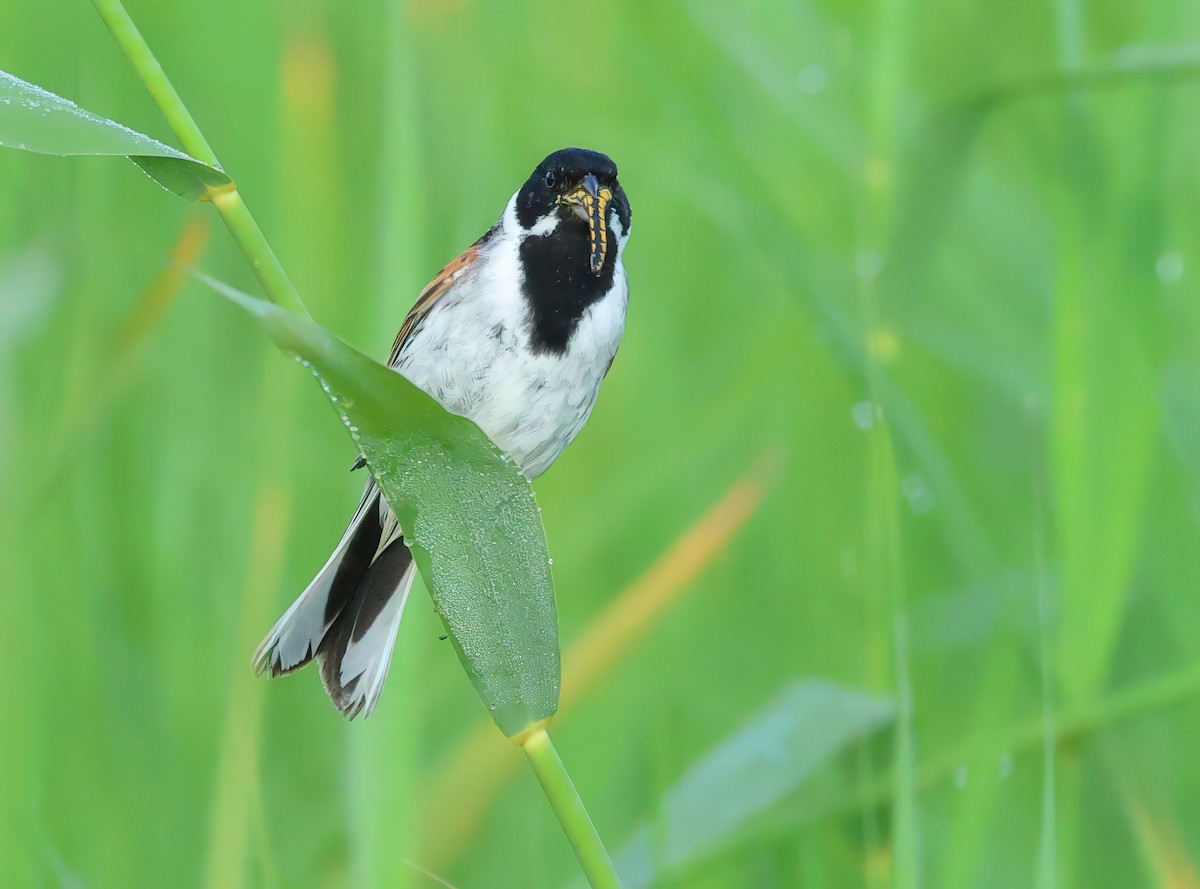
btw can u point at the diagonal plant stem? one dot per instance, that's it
(564, 799)
(246, 233)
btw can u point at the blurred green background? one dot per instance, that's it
(907, 407)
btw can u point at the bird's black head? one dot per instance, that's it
(573, 220)
(574, 197)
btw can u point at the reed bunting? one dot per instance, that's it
(516, 334)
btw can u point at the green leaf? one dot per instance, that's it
(716, 803)
(467, 510)
(32, 119)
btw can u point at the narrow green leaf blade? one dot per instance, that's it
(467, 510)
(33, 119)
(716, 802)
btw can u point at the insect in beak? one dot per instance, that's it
(589, 201)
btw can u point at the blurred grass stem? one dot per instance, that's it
(246, 233)
(884, 544)
(564, 799)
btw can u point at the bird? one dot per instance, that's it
(517, 333)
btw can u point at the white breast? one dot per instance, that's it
(472, 353)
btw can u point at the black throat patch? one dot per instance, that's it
(558, 285)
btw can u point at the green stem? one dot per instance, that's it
(572, 815)
(152, 74)
(249, 237)
(253, 244)
(886, 95)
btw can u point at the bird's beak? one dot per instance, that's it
(589, 200)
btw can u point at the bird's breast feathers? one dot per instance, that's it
(469, 344)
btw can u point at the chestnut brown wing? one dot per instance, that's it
(435, 290)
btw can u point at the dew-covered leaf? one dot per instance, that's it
(467, 510)
(32, 119)
(758, 767)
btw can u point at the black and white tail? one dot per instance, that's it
(348, 617)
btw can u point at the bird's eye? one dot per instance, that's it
(550, 180)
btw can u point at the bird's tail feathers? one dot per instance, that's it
(348, 616)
